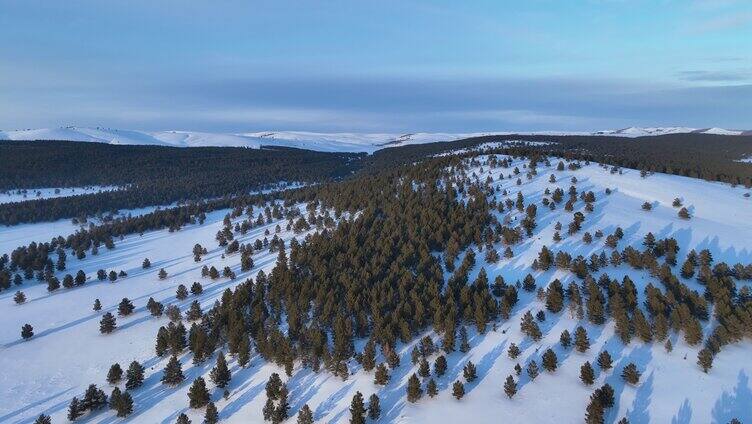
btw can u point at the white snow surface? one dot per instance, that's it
(68, 353)
(325, 142)
(22, 195)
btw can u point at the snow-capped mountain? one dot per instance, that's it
(325, 142)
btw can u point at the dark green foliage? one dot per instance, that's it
(114, 374)
(212, 415)
(605, 361)
(305, 415)
(414, 391)
(107, 324)
(587, 374)
(134, 376)
(173, 372)
(705, 359)
(357, 409)
(581, 340)
(220, 374)
(27, 331)
(550, 361)
(374, 407)
(510, 387)
(198, 395)
(381, 376)
(431, 388)
(630, 374)
(458, 390)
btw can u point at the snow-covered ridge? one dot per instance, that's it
(325, 142)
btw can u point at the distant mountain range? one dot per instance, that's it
(325, 142)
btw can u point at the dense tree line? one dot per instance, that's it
(150, 175)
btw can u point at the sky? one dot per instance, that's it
(375, 66)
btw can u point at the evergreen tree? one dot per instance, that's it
(74, 409)
(194, 311)
(458, 390)
(550, 361)
(532, 369)
(464, 344)
(565, 339)
(114, 374)
(27, 331)
(469, 372)
(605, 361)
(581, 340)
(440, 366)
(244, 351)
(220, 374)
(212, 415)
(108, 323)
(513, 351)
(431, 388)
(381, 376)
(587, 374)
(125, 307)
(305, 415)
(183, 419)
(705, 359)
(374, 407)
(369, 357)
(414, 391)
(43, 419)
(181, 293)
(146, 264)
(162, 274)
(97, 305)
(510, 387)
(630, 374)
(134, 376)
(198, 395)
(424, 370)
(173, 372)
(357, 409)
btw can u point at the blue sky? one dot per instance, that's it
(376, 65)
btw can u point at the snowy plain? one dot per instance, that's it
(67, 352)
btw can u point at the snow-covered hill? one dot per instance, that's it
(67, 352)
(325, 142)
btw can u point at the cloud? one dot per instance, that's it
(716, 76)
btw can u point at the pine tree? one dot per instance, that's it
(581, 340)
(424, 370)
(464, 344)
(630, 374)
(668, 346)
(146, 264)
(43, 419)
(369, 357)
(244, 351)
(94, 398)
(604, 360)
(469, 372)
(212, 415)
(305, 415)
(114, 374)
(97, 305)
(458, 390)
(440, 366)
(181, 293)
(194, 311)
(74, 409)
(162, 274)
(283, 409)
(27, 331)
(414, 391)
(108, 323)
(381, 376)
(374, 407)
(125, 307)
(220, 374)
(587, 374)
(134, 376)
(513, 351)
(705, 359)
(510, 387)
(532, 369)
(125, 407)
(565, 339)
(357, 409)
(173, 372)
(19, 297)
(550, 361)
(431, 388)
(198, 395)
(183, 419)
